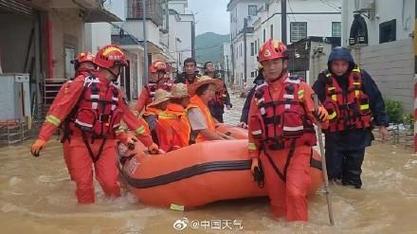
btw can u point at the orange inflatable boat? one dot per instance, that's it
(232, 131)
(197, 175)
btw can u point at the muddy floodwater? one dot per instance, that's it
(37, 196)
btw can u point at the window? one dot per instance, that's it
(252, 49)
(240, 50)
(336, 29)
(69, 67)
(252, 74)
(388, 31)
(298, 31)
(252, 10)
(272, 31)
(256, 46)
(264, 39)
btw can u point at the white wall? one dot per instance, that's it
(179, 5)
(134, 27)
(180, 27)
(391, 65)
(239, 12)
(319, 16)
(385, 10)
(97, 36)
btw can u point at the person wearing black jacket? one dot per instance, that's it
(245, 110)
(190, 72)
(355, 105)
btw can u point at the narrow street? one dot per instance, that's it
(36, 196)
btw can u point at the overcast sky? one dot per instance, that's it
(211, 16)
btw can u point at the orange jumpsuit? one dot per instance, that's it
(287, 198)
(173, 129)
(145, 96)
(81, 159)
(196, 102)
(65, 147)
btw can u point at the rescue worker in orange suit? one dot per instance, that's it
(159, 104)
(158, 80)
(281, 133)
(354, 104)
(190, 73)
(222, 97)
(203, 125)
(83, 65)
(173, 128)
(93, 106)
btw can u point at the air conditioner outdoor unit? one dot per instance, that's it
(14, 96)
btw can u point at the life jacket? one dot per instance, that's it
(220, 96)
(151, 88)
(196, 102)
(97, 113)
(282, 123)
(174, 118)
(150, 113)
(347, 110)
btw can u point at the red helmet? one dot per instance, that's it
(272, 49)
(109, 56)
(83, 57)
(158, 66)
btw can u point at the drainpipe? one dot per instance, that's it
(49, 41)
(145, 43)
(245, 57)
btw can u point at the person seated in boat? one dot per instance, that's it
(203, 125)
(173, 129)
(158, 105)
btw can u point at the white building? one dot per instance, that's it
(304, 18)
(227, 62)
(181, 29)
(388, 54)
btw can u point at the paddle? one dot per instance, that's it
(323, 164)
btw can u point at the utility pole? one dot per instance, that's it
(167, 20)
(145, 46)
(284, 21)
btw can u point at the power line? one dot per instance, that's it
(332, 6)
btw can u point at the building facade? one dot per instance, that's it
(254, 22)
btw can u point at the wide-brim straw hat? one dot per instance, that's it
(179, 91)
(161, 96)
(192, 89)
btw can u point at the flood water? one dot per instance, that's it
(37, 196)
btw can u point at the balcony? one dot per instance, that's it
(153, 11)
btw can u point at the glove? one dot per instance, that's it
(153, 149)
(257, 172)
(255, 163)
(242, 125)
(37, 147)
(321, 114)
